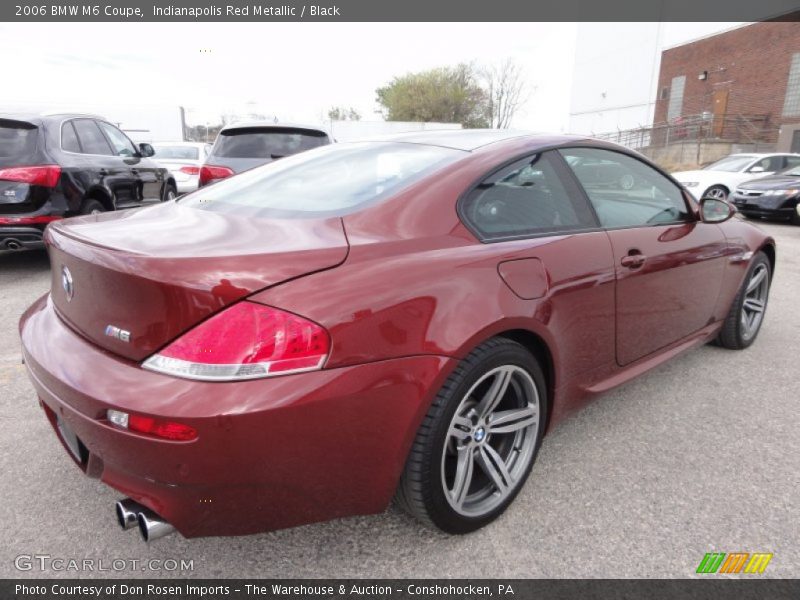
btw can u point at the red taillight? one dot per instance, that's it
(212, 172)
(162, 429)
(169, 430)
(45, 175)
(245, 341)
(190, 170)
(27, 220)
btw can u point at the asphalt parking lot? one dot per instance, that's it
(700, 455)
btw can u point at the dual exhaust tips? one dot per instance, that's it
(131, 514)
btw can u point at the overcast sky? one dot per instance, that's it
(295, 71)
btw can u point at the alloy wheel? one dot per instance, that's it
(755, 301)
(490, 440)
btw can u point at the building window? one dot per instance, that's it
(675, 106)
(791, 104)
(664, 93)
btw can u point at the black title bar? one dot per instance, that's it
(410, 589)
(405, 10)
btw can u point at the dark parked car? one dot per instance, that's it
(56, 166)
(242, 146)
(775, 197)
(400, 318)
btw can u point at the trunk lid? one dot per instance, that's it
(158, 271)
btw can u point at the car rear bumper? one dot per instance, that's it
(270, 453)
(187, 183)
(19, 238)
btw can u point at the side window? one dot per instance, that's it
(92, 139)
(769, 164)
(526, 198)
(777, 163)
(120, 143)
(792, 161)
(625, 192)
(69, 139)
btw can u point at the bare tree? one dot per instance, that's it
(506, 90)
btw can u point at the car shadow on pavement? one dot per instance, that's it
(24, 261)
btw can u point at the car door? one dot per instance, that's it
(552, 252)
(144, 171)
(668, 264)
(107, 170)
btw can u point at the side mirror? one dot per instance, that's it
(756, 169)
(146, 150)
(715, 210)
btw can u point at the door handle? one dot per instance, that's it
(135, 171)
(633, 260)
(103, 171)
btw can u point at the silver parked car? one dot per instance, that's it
(183, 159)
(243, 146)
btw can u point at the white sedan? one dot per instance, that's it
(718, 179)
(183, 159)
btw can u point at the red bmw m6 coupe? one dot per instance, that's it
(403, 318)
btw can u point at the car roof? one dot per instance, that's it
(181, 143)
(272, 125)
(42, 117)
(761, 154)
(472, 139)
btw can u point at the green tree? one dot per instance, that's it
(340, 113)
(446, 94)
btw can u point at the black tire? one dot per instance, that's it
(421, 489)
(734, 333)
(716, 191)
(170, 192)
(91, 206)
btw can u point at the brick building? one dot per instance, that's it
(742, 85)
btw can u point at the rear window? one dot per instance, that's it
(17, 138)
(328, 181)
(266, 143)
(180, 152)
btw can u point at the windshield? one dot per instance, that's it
(182, 152)
(266, 143)
(731, 164)
(329, 181)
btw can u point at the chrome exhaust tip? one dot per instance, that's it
(127, 510)
(151, 526)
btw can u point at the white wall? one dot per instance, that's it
(612, 76)
(615, 74)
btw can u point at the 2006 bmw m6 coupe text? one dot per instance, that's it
(400, 318)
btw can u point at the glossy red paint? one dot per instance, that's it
(157, 272)
(403, 288)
